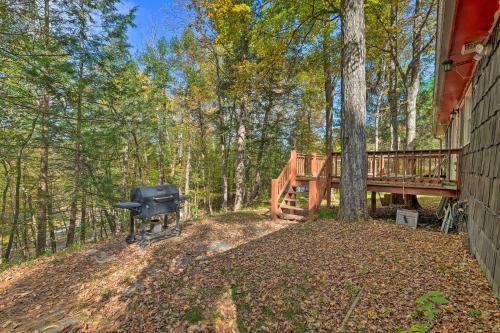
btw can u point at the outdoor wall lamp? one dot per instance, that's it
(447, 64)
(453, 114)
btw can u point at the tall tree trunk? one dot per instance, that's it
(77, 166)
(177, 154)
(187, 176)
(111, 221)
(137, 155)
(161, 140)
(5, 192)
(29, 221)
(15, 219)
(354, 162)
(393, 106)
(329, 86)
(93, 221)
(125, 171)
(83, 218)
(393, 80)
(411, 101)
(52, 231)
(262, 147)
(173, 163)
(378, 104)
(377, 122)
(242, 132)
(203, 158)
(414, 85)
(24, 229)
(222, 134)
(240, 157)
(178, 151)
(43, 178)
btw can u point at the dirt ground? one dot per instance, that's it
(243, 272)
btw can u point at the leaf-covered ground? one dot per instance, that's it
(242, 272)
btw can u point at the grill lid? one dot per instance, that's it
(147, 201)
(161, 192)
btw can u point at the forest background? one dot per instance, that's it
(214, 109)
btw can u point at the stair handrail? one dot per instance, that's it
(279, 185)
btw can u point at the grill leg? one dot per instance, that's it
(165, 221)
(132, 226)
(131, 237)
(177, 221)
(143, 233)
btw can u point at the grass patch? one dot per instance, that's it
(193, 315)
(474, 313)
(291, 314)
(216, 315)
(327, 213)
(106, 294)
(268, 312)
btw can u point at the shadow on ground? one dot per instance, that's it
(288, 277)
(305, 277)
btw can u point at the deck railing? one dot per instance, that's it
(416, 165)
(309, 164)
(280, 184)
(419, 166)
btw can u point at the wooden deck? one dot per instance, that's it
(418, 172)
(441, 189)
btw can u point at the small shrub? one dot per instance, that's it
(426, 305)
(426, 309)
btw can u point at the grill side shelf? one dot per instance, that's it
(128, 205)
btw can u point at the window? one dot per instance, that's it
(467, 117)
(455, 130)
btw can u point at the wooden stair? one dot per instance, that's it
(301, 196)
(289, 208)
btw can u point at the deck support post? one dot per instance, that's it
(313, 193)
(314, 164)
(374, 202)
(274, 199)
(328, 178)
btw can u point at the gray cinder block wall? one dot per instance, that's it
(481, 164)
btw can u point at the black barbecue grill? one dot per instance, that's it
(148, 201)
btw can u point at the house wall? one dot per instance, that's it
(481, 164)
